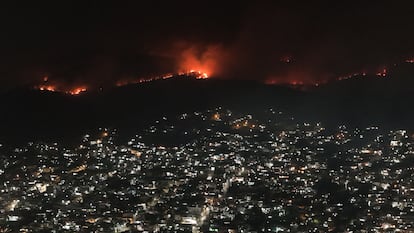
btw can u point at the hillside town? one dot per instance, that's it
(213, 171)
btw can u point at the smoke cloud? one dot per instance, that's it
(97, 44)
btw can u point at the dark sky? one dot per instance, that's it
(97, 43)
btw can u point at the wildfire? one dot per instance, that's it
(190, 73)
(54, 88)
(77, 91)
(197, 61)
(47, 88)
(197, 74)
(200, 61)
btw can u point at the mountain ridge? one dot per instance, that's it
(42, 115)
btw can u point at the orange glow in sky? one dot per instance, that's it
(203, 61)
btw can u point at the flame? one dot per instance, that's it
(55, 88)
(77, 91)
(47, 88)
(200, 61)
(197, 74)
(190, 73)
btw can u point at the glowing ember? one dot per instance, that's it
(53, 88)
(47, 88)
(198, 74)
(77, 91)
(191, 73)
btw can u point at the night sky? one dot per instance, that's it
(96, 44)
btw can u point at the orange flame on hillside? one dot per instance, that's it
(77, 91)
(190, 73)
(190, 60)
(53, 86)
(46, 88)
(201, 60)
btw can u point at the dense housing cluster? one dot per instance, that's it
(214, 171)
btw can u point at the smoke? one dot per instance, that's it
(266, 41)
(204, 59)
(180, 56)
(271, 45)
